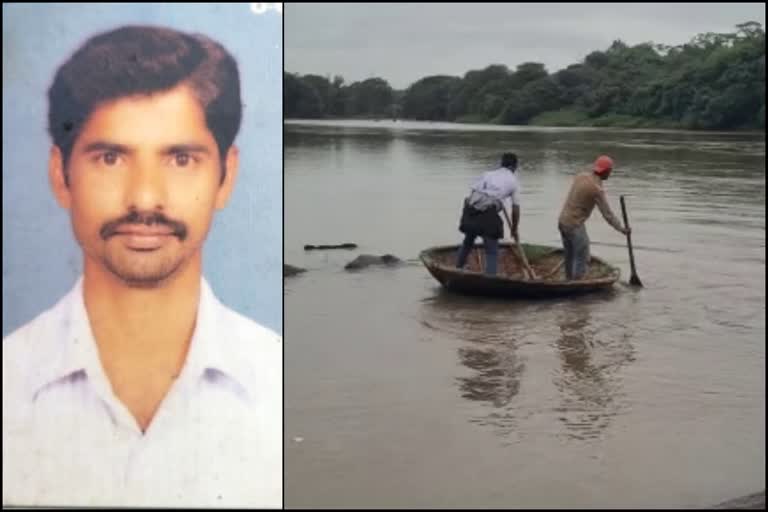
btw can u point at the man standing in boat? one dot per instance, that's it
(586, 192)
(480, 215)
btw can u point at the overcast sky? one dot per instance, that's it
(405, 42)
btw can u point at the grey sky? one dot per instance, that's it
(405, 42)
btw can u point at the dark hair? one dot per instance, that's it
(509, 160)
(134, 60)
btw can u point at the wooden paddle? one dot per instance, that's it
(633, 279)
(526, 267)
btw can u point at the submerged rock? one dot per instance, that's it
(337, 246)
(290, 270)
(367, 260)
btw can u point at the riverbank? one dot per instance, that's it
(576, 118)
(563, 119)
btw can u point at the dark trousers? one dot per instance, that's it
(491, 252)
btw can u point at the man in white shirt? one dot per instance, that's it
(480, 216)
(139, 388)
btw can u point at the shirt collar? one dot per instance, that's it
(77, 350)
(74, 350)
(212, 348)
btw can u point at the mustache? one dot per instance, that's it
(178, 228)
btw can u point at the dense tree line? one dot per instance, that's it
(715, 81)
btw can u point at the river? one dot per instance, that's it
(400, 394)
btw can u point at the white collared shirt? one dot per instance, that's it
(493, 187)
(215, 440)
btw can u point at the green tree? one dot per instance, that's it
(371, 97)
(472, 82)
(714, 81)
(428, 98)
(536, 97)
(300, 99)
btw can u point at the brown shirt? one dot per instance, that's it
(586, 192)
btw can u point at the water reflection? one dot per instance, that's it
(590, 353)
(498, 370)
(489, 338)
(589, 350)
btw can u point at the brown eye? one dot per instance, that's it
(182, 159)
(110, 158)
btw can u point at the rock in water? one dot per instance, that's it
(337, 246)
(290, 270)
(367, 260)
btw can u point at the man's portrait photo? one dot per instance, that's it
(142, 243)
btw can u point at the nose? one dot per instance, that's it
(146, 188)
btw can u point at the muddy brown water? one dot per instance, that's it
(400, 394)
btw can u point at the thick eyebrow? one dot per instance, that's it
(185, 148)
(101, 145)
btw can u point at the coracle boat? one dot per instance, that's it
(511, 280)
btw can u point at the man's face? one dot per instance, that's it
(144, 181)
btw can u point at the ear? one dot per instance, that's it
(231, 164)
(57, 178)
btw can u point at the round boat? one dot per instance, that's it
(510, 280)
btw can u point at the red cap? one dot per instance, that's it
(603, 164)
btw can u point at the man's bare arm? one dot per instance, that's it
(605, 210)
